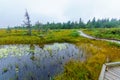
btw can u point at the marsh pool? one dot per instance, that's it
(34, 62)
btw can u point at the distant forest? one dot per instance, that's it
(99, 23)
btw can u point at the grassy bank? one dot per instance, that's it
(98, 52)
(20, 36)
(107, 33)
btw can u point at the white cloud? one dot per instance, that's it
(49, 8)
(12, 11)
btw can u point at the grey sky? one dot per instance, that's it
(12, 11)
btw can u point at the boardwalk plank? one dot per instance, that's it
(112, 72)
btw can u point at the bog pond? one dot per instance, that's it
(34, 62)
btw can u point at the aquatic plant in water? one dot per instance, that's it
(5, 70)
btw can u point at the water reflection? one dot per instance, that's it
(32, 49)
(31, 62)
(41, 46)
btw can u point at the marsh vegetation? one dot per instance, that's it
(56, 51)
(35, 57)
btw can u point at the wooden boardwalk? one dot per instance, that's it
(110, 71)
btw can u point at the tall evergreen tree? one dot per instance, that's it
(81, 23)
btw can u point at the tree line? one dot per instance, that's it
(94, 23)
(99, 23)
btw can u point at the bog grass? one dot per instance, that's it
(21, 37)
(107, 33)
(90, 69)
(98, 51)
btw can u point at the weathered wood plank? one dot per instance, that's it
(115, 71)
(108, 77)
(114, 74)
(110, 71)
(113, 64)
(102, 72)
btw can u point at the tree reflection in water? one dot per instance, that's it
(32, 52)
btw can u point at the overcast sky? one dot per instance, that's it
(12, 11)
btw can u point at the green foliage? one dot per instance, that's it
(94, 23)
(97, 52)
(38, 38)
(75, 70)
(108, 33)
(102, 23)
(114, 44)
(74, 33)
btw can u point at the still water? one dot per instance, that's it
(33, 62)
